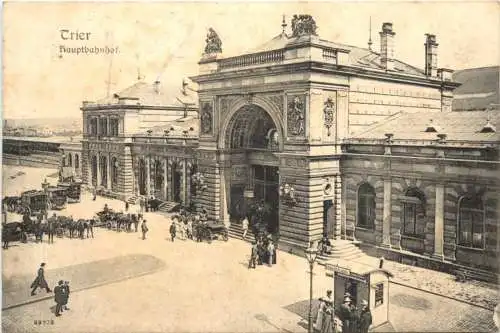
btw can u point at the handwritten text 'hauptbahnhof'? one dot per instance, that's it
(68, 35)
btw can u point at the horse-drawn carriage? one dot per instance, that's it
(56, 197)
(73, 191)
(33, 202)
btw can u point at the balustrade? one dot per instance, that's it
(252, 59)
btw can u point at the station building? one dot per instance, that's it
(338, 140)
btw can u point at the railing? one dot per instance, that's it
(329, 54)
(252, 59)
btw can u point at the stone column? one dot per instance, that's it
(89, 169)
(337, 200)
(98, 178)
(188, 184)
(165, 178)
(148, 177)
(439, 222)
(109, 172)
(184, 183)
(387, 213)
(224, 208)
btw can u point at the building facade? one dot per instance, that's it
(308, 127)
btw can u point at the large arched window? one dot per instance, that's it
(94, 170)
(471, 222)
(414, 213)
(366, 206)
(104, 171)
(70, 160)
(114, 171)
(77, 161)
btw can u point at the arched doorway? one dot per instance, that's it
(176, 182)
(252, 131)
(158, 178)
(104, 171)
(142, 177)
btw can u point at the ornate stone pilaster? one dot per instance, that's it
(387, 213)
(108, 172)
(98, 160)
(165, 179)
(338, 207)
(148, 177)
(439, 222)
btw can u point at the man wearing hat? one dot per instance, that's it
(345, 315)
(40, 280)
(365, 317)
(64, 304)
(59, 296)
(253, 255)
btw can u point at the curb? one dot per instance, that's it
(441, 295)
(95, 285)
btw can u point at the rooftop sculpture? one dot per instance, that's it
(213, 42)
(303, 25)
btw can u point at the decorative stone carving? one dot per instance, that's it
(303, 25)
(224, 105)
(277, 100)
(329, 114)
(207, 112)
(296, 115)
(213, 42)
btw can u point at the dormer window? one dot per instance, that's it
(488, 128)
(432, 128)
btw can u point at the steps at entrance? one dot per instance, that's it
(341, 249)
(133, 200)
(235, 231)
(168, 206)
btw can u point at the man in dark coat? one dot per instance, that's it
(65, 299)
(40, 281)
(59, 297)
(345, 315)
(365, 318)
(172, 230)
(144, 229)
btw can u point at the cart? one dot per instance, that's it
(213, 230)
(73, 191)
(34, 202)
(56, 197)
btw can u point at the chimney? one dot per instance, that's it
(387, 46)
(430, 55)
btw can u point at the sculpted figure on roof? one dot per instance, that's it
(303, 25)
(213, 42)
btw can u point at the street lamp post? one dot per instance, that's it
(311, 255)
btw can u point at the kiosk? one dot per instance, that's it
(362, 282)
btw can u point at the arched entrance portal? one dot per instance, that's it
(142, 177)
(252, 138)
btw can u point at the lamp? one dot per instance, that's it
(311, 255)
(287, 194)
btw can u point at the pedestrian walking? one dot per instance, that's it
(126, 206)
(65, 298)
(328, 320)
(40, 280)
(59, 296)
(365, 317)
(91, 228)
(244, 225)
(172, 230)
(144, 229)
(270, 252)
(253, 255)
(345, 315)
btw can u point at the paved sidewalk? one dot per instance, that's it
(476, 292)
(16, 289)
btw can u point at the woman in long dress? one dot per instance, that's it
(319, 317)
(328, 325)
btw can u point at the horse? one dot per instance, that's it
(80, 226)
(11, 232)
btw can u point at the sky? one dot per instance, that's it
(165, 40)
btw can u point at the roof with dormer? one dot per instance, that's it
(358, 56)
(152, 94)
(459, 126)
(479, 90)
(182, 127)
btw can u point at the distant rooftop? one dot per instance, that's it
(474, 126)
(152, 94)
(479, 89)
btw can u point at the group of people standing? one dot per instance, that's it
(61, 291)
(263, 252)
(346, 318)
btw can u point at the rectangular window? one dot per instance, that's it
(379, 294)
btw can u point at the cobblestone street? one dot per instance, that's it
(201, 287)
